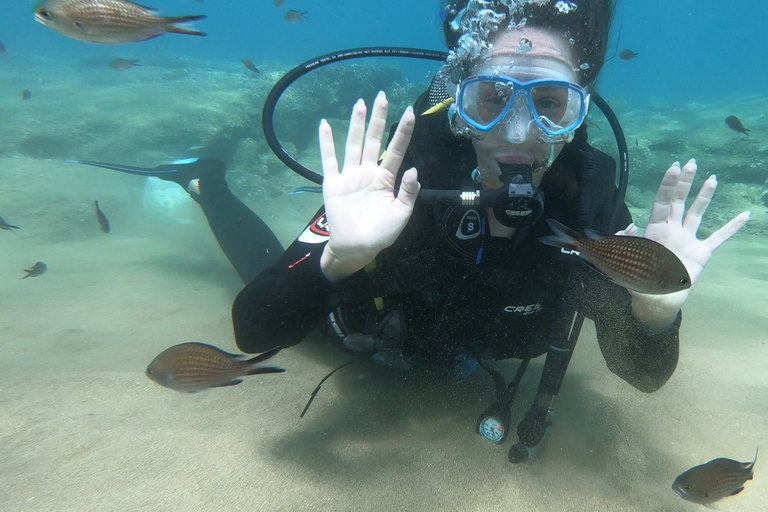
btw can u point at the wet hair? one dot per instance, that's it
(468, 25)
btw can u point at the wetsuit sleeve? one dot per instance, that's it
(283, 303)
(644, 357)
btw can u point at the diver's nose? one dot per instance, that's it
(518, 120)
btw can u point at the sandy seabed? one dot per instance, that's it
(81, 427)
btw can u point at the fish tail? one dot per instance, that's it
(171, 24)
(563, 237)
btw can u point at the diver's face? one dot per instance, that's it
(525, 54)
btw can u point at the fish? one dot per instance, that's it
(26, 94)
(248, 63)
(279, 3)
(101, 218)
(714, 480)
(627, 54)
(123, 64)
(37, 269)
(110, 21)
(193, 367)
(734, 124)
(293, 16)
(636, 263)
(306, 190)
(8, 227)
(2, 48)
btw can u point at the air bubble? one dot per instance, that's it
(525, 45)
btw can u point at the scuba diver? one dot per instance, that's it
(396, 274)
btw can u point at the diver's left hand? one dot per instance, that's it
(676, 232)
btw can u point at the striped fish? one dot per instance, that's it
(193, 367)
(110, 21)
(714, 480)
(636, 263)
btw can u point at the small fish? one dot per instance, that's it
(627, 54)
(734, 124)
(248, 63)
(714, 480)
(193, 367)
(2, 48)
(109, 21)
(37, 269)
(307, 190)
(6, 226)
(293, 16)
(123, 64)
(279, 3)
(633, 262)
(103, 222)
(26, 94)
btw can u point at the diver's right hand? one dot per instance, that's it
(364, 215)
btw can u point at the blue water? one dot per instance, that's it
(690, 50)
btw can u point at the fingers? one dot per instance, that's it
(662, 204)
(399, 143)
(376, 128)
(328, 150)
(353, 151)
(700, 204)
(409, 188)
(681, 191)
(630, 230)
(719, 237)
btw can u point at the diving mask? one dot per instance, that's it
(549, 109)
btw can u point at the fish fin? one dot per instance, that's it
(265, 369)
(593, 235)
(171, 21)
(230, 383)
(737, 491)
(266, 355)
(154, 9)
(563, 236)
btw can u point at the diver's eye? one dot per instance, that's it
(43, 13)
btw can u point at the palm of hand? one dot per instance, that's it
(364, 213)
(677, 232)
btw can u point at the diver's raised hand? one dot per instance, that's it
(670, 227)
(364, 214)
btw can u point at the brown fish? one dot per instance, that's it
(37, 269)
(248, 63)
(193, 367)
(109, 21)
(6, 226)
(123, 64)
(2, 48)
(293, 16)
(279, 3)
(633, 262)
(103, 222)
(627, 55)
(26, 94)
(734, 124)
(714, 480)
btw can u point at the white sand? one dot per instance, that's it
(81, 427)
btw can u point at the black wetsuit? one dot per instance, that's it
(457, 286)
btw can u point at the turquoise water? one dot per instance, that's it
(81, 427)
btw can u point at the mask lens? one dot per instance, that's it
(557, 108)
(483, 103)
